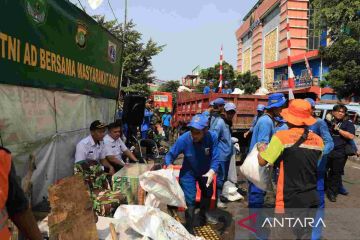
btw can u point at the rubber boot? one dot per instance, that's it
(205, 217)
(189, 219)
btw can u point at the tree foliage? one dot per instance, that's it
(170, 86)
(137, 55)
(213, 73)
(342, 20)
(137, 88)
(247, 82)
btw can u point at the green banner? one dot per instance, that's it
(54, 45)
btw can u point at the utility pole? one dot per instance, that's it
(122, 63)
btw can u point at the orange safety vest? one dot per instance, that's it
(5, 166)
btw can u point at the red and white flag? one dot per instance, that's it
(308, 67)
(221, 70)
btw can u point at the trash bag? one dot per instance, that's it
(162, 187)
(260, 176)
(151, 222)
(230, 192)
(232, 174)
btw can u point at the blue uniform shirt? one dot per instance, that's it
(207, 90)
(147, 119)
(166, 119)
(198, 157)
(222, 130)
(226, 91)
(321, 129)
(263, 130)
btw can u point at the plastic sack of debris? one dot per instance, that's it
(150, 222)
(162, 187)
(260, 176)
(232, 173)
(230, 192)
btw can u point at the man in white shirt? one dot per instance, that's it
(92, 147)
(115, 147)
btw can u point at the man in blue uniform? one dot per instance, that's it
(226, 89)
(260, 111)
(148, 114)
(262, 132)
(218, 125)
(321, 129)
(201, 160)
(210, 88)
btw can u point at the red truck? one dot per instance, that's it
(189, 104)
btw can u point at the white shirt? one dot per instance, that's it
(114, 147)
(87, 149)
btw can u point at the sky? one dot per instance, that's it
(192, 30)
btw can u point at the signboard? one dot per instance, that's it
(54, 45)
(162, 100)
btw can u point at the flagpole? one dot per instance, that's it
(221, 69)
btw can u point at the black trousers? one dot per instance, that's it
(335, 168)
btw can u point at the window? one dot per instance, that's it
(313, 34)
(329, 97)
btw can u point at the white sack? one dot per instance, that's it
(164, 186)
(230, 192)
(232, 174)
(260, 176)
(152, 222)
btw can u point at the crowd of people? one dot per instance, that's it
(308, 154)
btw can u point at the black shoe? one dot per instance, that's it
(189, 219)
(331, 196)
(343, 191)
(204, 216)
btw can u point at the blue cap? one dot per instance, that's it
(211, 103)
(219, 101)
(230, 106)
(199, 121)
(226, 82)
(311, 101)
(260, 107)
(211, 81)
(276, 100)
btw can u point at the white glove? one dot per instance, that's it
(210, 175)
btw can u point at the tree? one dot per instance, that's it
(213, 73)
(247, 82)
(137, 55)
(137, 88)
(170, 86)
(342, 20)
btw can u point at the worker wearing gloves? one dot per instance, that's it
(262, 132)
(201, 160)
(222, 131)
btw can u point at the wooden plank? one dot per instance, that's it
(71, 214)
